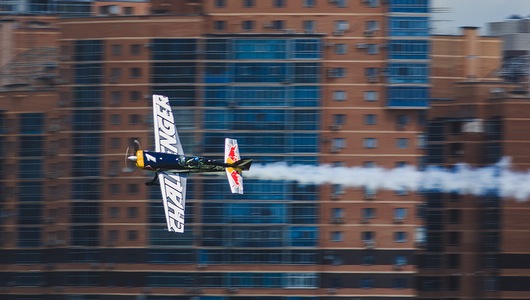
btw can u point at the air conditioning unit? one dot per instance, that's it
(369, 244)
(372, 79)
(267, 25)
(337, 221)
(369, 33)
(365, 220)
(361, 46)
(338, 32)
(398, 220)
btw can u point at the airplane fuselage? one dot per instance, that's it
(159, 161)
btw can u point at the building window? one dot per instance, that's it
(115, 74)
(220, 3)
(400, 283)
(367, 283)
(135, 119)
(135, 49)
(368, 260)
(400, 260)
(402, 143)
(115, 143)
(132, 188)
(372, 49)
(247, 25)
(114, 189)
(114, 212)
(400, 236)
(372, 25)
(338, 144)
(279, 3)
(219, 25)
(309, 3)
(132, 235)
(278, 24)
(115, 119)
(337, 72)
(370, 119)
(339, 95)
(115, 98)
(135, 72)
(248, 3)
(367, 236)
(341, 49)
(341, 26)
(128, 11)
(371, 96)
(116, 49)
(370, 143)
(337, 236)
(368, 213)
(135, 96)
(132, 212)
(339, 119)
(400, 213)
(310, 26)
(337, 212)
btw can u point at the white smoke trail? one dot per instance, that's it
(461, 178)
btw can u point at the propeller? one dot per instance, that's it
(130, 158)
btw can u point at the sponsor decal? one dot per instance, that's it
(165, 128)
(174, 200)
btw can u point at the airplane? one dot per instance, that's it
(171, 166)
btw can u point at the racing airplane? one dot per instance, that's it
(171, 166)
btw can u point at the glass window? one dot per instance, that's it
(400, 260)
(219, 25)
(372, 49)
(400, 236)
(337, 212)
(368, 213)
(247, 25)
(400, 213)
(135, 49)
(339, 119)
(135, 72)
(310, 26)
(371, 96)
(368, 236)
(31, 123)
(339, 95)
(248, 3)
(338, 143)
(402, 143)
(278, 3)
(370, 143)
(309, 3)
(368, 260)
(370, 119)
(337, 236)
(220, 3)
(278, 24)
(341, 49)
(116, 49)
(367, 283)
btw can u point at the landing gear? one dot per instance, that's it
(153, 182)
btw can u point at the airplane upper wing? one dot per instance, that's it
(166, 136)
(173, 187)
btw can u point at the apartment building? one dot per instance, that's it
(475, 247)
(301, 82)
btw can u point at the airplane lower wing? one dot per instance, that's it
(173, 188)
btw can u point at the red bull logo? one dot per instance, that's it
(235, 176)
(232, 154)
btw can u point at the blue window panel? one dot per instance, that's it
(256, 142)
(29, 214)
(86, 189)
(306, 48)
(88, 50)
(306, 96)
(260, 72)
(217, 49)
(31, 123)
(217, 73)
(260, 49)
(164, 256)
(260, 96)
(87, 97)
(408, 97)
(305, 120)
(306, 72)
(28, 256)
(84, 255)
(87, 143)
(409, 6)
(218, 189)
(178, 95)
(409, 26)
(29, 237)
(85, 212)
(173, 49)
(29, 279)
(86, 166)
(215, 96)
(85, 235)
(87, 120)
(304, 143)
(88, 73)
(303, 236)
(409, 49)
(30, 191)
(261, 213)
(303, 213)
(160, 236)
(173, 72)
(31, 146)
(408, 73)
(30, 169)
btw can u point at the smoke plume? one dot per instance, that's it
(461, 178)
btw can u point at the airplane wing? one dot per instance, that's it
(173, 187)
(166, 136)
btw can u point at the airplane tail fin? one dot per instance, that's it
(238, 165)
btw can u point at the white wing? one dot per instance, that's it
(173, 187)
(166, 136)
